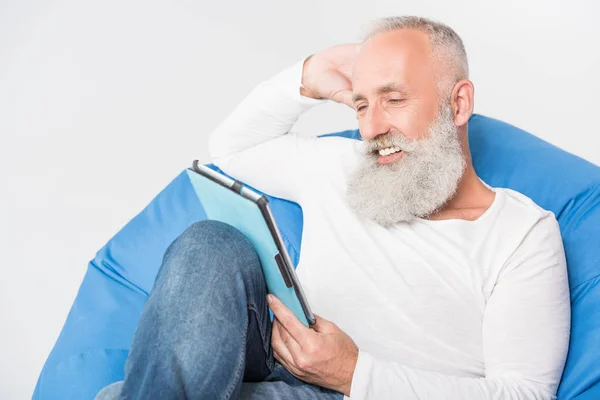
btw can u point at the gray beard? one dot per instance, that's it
(415, 186)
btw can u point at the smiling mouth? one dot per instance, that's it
(389, 150)
(389, 155)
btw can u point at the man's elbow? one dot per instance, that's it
(526, 389)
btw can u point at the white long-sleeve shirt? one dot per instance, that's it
(449, 309)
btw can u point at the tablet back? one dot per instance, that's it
(222, 204)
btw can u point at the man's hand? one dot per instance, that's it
(322, 355)
(327, 74)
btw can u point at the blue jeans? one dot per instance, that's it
(205, 331)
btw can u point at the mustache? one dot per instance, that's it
(394, 138)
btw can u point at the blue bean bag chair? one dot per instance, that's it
(91, 350)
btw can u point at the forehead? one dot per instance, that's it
(402, 57)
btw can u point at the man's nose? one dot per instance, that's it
(373, 124)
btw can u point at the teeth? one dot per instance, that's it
(389, 150)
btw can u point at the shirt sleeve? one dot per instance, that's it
(525, 335)
(254, 143)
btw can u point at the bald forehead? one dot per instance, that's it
(402, 57)
(401, 39)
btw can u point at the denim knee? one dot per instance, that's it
(212, 243)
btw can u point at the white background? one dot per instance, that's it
(103, 103)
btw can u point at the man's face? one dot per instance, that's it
(413, 158)
(394, 86)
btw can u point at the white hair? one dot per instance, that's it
(447, 46)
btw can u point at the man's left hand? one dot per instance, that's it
(322, 355)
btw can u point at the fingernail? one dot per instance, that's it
(269, 299)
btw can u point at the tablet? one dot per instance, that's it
(231, 202)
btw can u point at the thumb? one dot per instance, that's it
(321, 325)
(343, 96)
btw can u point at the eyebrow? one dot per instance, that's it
(390, 87)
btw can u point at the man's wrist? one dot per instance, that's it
(353, 359)
(304, 89)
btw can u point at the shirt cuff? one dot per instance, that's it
(288, 81)
(361, 376)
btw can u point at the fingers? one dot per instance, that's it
(319, 324)
(322, 325)
(280, 349)
(344, 97)
(289, 321)
(291, 344)
(344, 53)
(287, 365)
(285, 350)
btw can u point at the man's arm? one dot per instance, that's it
(525, 335)
(254, 144)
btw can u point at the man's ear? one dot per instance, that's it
(462, 101)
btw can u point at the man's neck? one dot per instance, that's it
(471, 200)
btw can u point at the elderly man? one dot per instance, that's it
(427, 282)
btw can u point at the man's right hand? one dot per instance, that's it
(327, 74)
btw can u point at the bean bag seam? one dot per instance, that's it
(596, 277)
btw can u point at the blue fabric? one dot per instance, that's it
(93, 345)
(189, 337)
